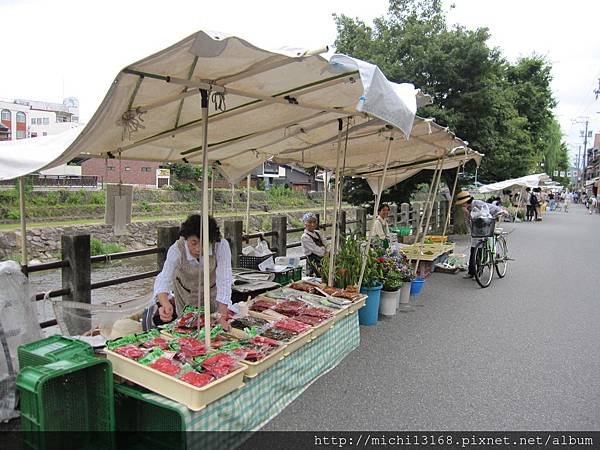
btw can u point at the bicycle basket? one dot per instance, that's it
(483, 227)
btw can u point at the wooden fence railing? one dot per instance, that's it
(76, 262)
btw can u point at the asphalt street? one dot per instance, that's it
(522, 354)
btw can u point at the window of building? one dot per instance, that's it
(33, 134)
(110, 168)
(21, 118)
(146, 169)
(127, 168)
(20, 134)
(46, 121)
(5, 115)
(270, 167)
(44, 133)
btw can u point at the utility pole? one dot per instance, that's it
(583, 160)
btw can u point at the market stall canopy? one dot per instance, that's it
(367, 146)
(531, 181)
(24, 156)
(399, 173)
(261, 102)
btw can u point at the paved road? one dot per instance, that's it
(523, 354)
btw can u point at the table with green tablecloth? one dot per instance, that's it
(266, 395)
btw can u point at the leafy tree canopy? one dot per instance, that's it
(503, 109)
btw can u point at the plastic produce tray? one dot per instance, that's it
(255, 368)
(68, 395)
(52, 349)
(355, 306)
(193, 397)
(324, 327)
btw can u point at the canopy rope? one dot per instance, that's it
(131, 121)
(218, 101)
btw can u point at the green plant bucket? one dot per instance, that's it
(404, 231)
(368, 314)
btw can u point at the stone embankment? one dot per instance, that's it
(44, 243)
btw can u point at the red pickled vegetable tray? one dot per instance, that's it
(169, 376)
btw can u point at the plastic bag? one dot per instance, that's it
(18, 325)
(484, 212)
(262, 248)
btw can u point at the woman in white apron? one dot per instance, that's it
(180, 284)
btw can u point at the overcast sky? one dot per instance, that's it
(61, 48)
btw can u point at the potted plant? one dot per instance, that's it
(405, 273)
(390, 294)
(371, 285)
(348, 262)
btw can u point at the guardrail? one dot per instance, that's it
(76, 264)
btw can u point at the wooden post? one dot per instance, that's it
(405, 214)
(232, 230)
(166, 237)
(394, 211)
(341, 227)
(361, 217)
(77, 277)
(24, 258)
(279, 224)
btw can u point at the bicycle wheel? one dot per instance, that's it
(501, 260)
(483, 265)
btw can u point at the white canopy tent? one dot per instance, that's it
(240, 103)
(399, 173)
(261, 102)
(531, 181)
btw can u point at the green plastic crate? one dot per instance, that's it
(51, 349)
(297, 274)
(284, 277)
(68, 395)
(145, 422)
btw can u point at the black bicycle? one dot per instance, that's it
(491, 253)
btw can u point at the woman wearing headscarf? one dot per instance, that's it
(313, 244)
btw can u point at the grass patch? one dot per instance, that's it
(97, 247)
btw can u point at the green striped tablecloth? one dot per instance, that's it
(266, 395)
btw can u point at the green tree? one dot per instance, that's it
(502, 110)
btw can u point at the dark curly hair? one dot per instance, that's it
(191, 227)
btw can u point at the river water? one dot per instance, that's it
(51, 280)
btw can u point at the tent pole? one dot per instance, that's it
(375, 208)
(204, 227)
(232, 196)
(324, 221)
(335, 210)
(421, 218)
(447, 221)
(435, 193)
(212, 190)
(23, 224)
(248, 204)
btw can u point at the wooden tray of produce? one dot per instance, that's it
(195, 398)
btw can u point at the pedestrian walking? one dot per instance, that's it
(593, 204)
(529, 206)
